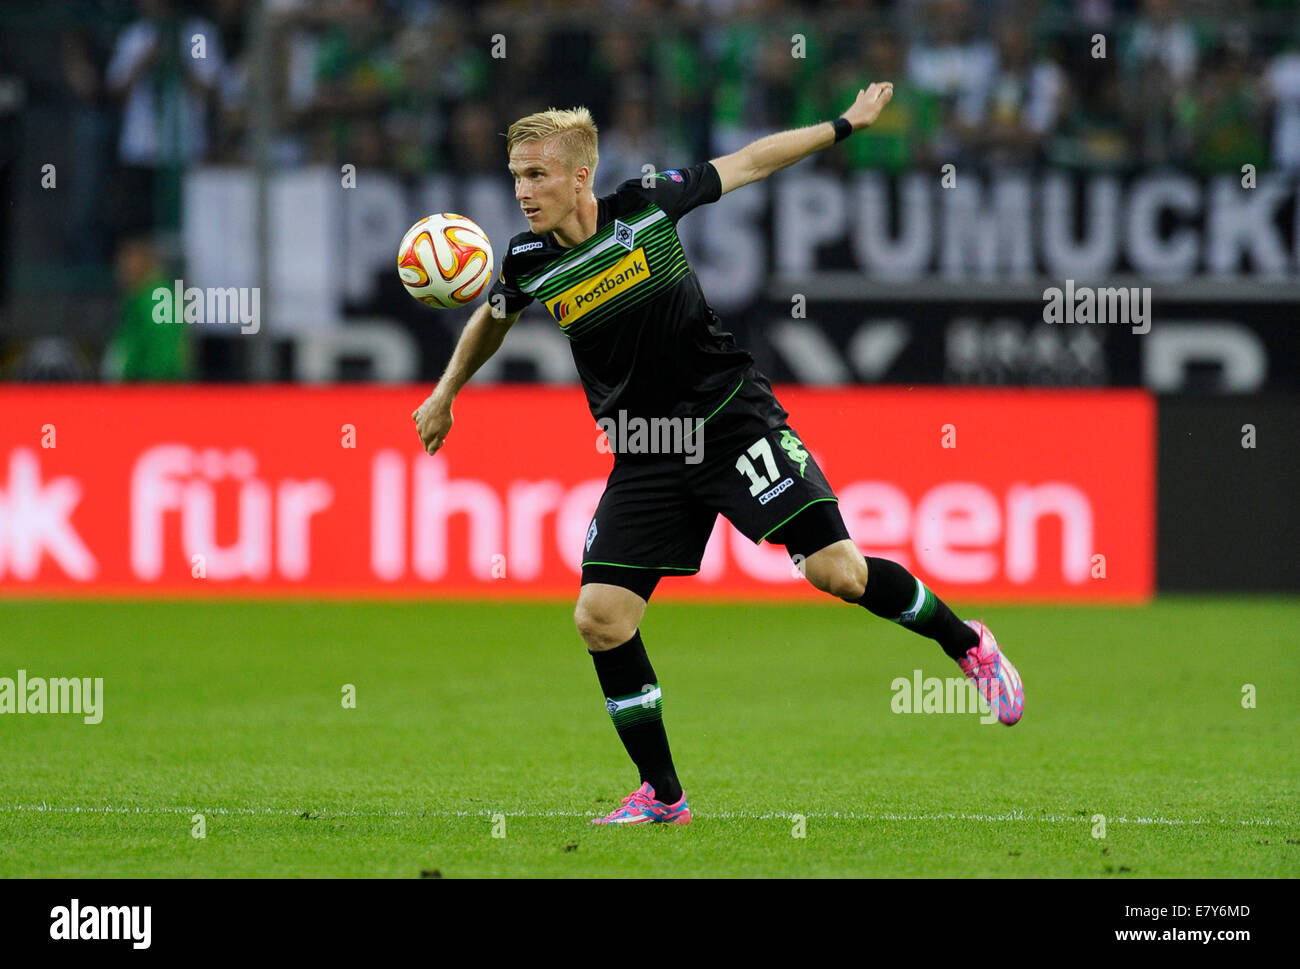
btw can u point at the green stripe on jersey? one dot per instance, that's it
(593, 284)
(659, 283)
(570, 267)
(664, 260)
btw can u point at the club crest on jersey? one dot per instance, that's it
(591, 534)
(623, 234)
(674, 174)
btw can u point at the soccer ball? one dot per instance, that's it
(445, 260)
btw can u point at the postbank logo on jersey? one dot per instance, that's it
(594, 291)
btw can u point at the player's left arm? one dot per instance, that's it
(761, 158)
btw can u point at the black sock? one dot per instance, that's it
(895, 594)
(635, 704)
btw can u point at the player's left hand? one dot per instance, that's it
(866, 109)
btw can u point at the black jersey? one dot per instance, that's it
(643, 337)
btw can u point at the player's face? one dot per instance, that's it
(544, 185)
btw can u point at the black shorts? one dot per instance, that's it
(658, 511)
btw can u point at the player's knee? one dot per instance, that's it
(601, 628)
(843, 576)
(847, 584)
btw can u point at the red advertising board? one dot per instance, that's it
(985, 494)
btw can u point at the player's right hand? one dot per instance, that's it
(432, 423)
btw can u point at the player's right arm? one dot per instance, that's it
(481, 338)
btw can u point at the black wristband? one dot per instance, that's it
(843, 128)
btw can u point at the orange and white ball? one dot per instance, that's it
(445, 260)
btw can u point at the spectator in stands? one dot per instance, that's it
(783, 93)
(681, 90)
(1090, 13)
(142, 348)
(632, 140)
(1160, 37)
(441, 69)
(357, 81)
(620, 73)
(733, 51)
(1095, 133)
(1159, 54)
(89, 116)
(1282, 79)
(1221, 119)
(1021, 105)
(230, 121)
(955, 66)
(903, 138)
(297, 27)
(165, 69)
(475, 147)
(518, 82)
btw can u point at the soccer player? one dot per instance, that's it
(611, 273)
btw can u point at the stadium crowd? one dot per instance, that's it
(414, 85)
(147, 88)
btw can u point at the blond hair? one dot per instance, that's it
(575, 131)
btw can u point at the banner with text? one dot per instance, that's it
(985, 494)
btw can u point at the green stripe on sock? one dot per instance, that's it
(640, 711)
(630, 718)
(921, 610)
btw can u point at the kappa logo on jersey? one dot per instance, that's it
(776, 490)
(794, 449)
(595, 291)
(525, 247)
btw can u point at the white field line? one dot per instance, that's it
(326, 813)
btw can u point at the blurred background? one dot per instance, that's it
(285, 146)
(213, 141)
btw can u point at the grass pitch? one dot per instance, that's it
(479, 744)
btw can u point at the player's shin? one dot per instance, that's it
(895, 594)
(635, 704)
